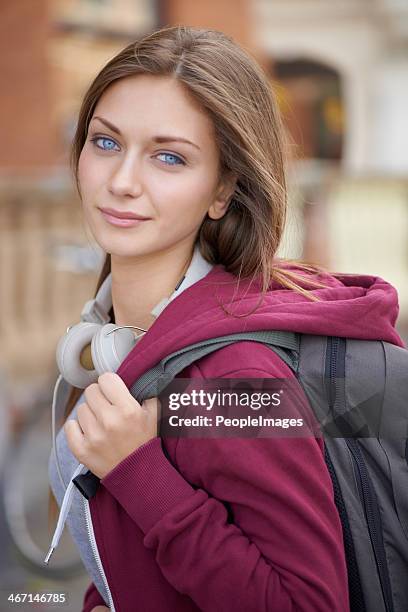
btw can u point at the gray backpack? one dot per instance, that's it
(358, 391)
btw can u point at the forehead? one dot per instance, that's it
(155, 103)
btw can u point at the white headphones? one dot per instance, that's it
(95, 346)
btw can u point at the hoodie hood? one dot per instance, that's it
(352, 305)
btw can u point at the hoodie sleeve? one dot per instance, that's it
(259, 531)
(92, 598)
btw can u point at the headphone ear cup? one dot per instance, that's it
(68, 354)
(108, 351)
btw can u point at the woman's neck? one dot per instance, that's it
(139, 284)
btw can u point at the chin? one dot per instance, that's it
(120, 248)
(113, 240)
(125, 247)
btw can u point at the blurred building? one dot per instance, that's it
(343, 57)
(341, 73)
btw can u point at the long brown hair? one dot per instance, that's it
(233, 90)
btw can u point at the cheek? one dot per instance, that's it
(184, 198)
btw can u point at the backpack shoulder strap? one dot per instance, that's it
(152, 382)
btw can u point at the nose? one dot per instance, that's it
(125, 179)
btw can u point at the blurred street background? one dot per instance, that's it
(339, 70)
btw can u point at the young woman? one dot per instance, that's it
(181, 129)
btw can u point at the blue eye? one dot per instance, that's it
(110, 145)
(171, 155)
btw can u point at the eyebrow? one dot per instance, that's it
(159, 138)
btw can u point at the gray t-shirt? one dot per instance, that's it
(76, 520)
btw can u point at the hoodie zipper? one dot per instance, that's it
(335, 366)
(91, 535)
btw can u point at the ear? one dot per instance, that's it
(223, 196)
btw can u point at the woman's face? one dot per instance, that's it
(133, 162)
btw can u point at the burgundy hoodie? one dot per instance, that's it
(233, 524)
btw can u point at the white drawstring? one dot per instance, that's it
(64, 511)
(69, 491)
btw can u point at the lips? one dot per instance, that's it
(121, 222)
(123, 214)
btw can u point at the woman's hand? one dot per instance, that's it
(111, 425)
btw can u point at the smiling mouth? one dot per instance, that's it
(123, 214)
(121, 222)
